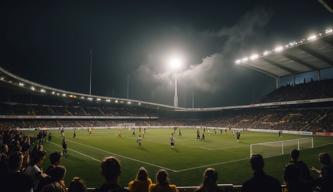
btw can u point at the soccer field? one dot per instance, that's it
(185, 163)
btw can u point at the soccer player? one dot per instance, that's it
(119, 133)
(172, 141)
(280, 133)
(74, 133)
(89, 130)
(49, 137)
(62, 132)
(198, 134)
(203, 136)
(133, 131)
(238, 135)
(64, 147)
(139, 140)
(179, 132)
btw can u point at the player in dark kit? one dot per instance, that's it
(280, 133)
(74, 134)
(198, 134)
(172, 141)
(203, 136)
(238, 135)
(64, 147)
(49, 137)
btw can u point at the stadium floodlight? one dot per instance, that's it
(245, 59)
(278, 49)
(175, 63)
(116, 101)
(128, 102)
(2, 78)
(254, 57)
(328, 31)
(52, 92)
(42, 91)
(64, 95)
(90, 99)
(139, 103)
(32, 88)
(58, 94)
(82, 97)
(98, 99)
(108, 100)
(21, 84)
(238, 61)
(267, 52)
(312, 37)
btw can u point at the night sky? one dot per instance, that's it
(49, 42)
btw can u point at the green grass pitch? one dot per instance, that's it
(185, 163)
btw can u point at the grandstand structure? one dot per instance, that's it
(28, 104)
(303, 109)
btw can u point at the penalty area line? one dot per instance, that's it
(208, 165)
(124, 157)
(85, 155)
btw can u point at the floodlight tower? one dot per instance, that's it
(175, 64)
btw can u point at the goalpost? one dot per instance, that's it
(275, 148)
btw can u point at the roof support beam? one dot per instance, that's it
(317, 55)
(300, 61)
(291, 71)
(261, 71)
(326, 40)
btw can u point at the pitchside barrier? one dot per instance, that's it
(223, 187)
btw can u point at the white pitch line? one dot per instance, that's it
(212, 164)
(233, 161)
(90, 157)
(125, 157)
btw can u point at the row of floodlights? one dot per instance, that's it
(33, 88)
(281, 48)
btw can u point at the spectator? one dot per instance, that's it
(111, 172)
(141, 183)
(260, 182)
(303, 169)
(34, 170)
(16, 180)
(293, 180)
(57, 184)
(325, 180)
(54, 160)
(162, 183)
(77, 185)
(209, 181)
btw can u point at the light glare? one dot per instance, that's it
(278, 49)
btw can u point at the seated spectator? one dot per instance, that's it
(57, 184)
(54, 160)
(77, 185)
(34, 170)
(141, 182)
(15, 180)
(325, 181)
(162, 183)
(293, 180)
(111, 172)
(209, 181)
(260, 182)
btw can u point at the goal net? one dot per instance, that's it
(268, 149)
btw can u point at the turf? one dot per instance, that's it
(185, 163)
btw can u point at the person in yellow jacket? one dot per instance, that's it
(162, 183)
(141, 183)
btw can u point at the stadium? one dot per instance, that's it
(184, 141)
